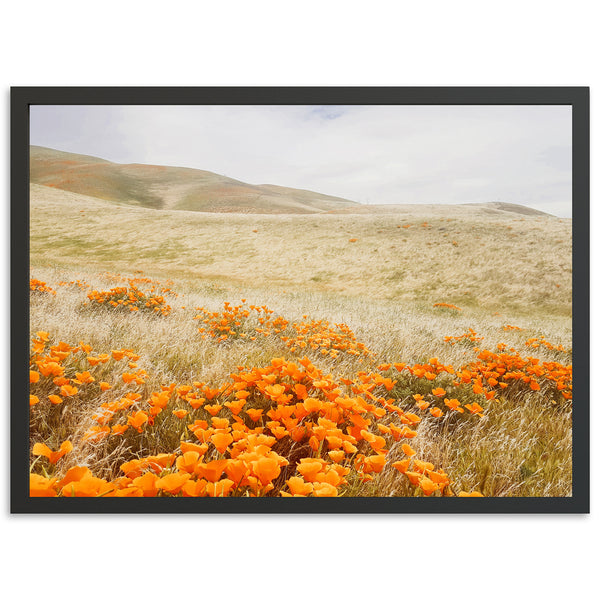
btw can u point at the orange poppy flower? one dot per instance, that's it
(324, 489)
(173, 482)
(235, 406)
(220, 488)
(336, 455)
(413, 477)
(128, 377)
(221, 441)
(309, 468)
(68, 390)
(422, 405)
(41, 486)
(87, 487)
(439, 392)
(180, 413)
(147, 484)
(213, 409)
(43, 450)
(187, 461)
(298, 487)
(255, 413)
(119, 429)
(471, 494)
(474, 408)
(85, 377)
(34, 376)
(454, 404)
(194, 489)
(105, 386)
(194, 401)
(436, 412)
(266, 469)
(402, 465)
(408, 451)
(33, 399)
(428, 486)
(137, 419)
(212, 470)
(201, 449)
(220, 422)
(236, 470)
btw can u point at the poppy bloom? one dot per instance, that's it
(298, 487)
(213, 409)
(41, 486)
(137, 419)
(212, 470)
(428, 486)
(436, 412)
(219, 489)
(180, 413)
(454, 404)
(408, 451)
(474, 408)
(255, 413)
(201, 449)
(439, 392)
(173, 482)
(324, 489)
(43, 450)
(221, 441)
(266, 469)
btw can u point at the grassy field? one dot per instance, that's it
(505, 275)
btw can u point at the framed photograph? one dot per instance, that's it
(300, 300)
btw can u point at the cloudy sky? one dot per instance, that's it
(370, 154)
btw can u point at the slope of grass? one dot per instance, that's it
(155, 186)
(499, 262)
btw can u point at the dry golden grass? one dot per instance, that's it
(469, 256)
(500, 268)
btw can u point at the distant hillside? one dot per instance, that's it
(173, 188)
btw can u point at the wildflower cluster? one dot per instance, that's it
(328, 339)
(537, 342)
(249, 321)
(469, 336)
(287, 429)
(240, 321)
(130, 299)
(41, 287)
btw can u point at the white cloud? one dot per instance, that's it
(379, 154)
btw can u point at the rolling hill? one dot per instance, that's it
(174, 188)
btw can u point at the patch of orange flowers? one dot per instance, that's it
(286, 429)
(35, 285)
(240, 321)
(130, 299)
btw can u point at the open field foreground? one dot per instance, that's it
(407, 351)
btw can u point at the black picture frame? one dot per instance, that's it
(21, 100)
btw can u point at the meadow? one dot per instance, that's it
(399, 351)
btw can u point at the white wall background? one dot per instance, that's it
(296, 43)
